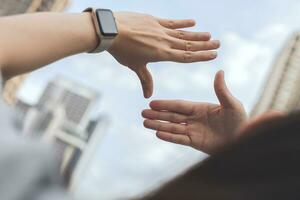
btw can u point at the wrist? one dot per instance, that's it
(123, 35)
(113, 48)
(90, 37)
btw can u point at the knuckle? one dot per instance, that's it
(160, 38)
(188, 46)
(169, 41)
(160, 53)
(159, 126)
(188, 56)
(166, 52)
(188, 131)
(181, 141)
(180, 34)
(171, 23)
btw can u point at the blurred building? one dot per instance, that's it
(12, 7)
(282, 88)
(64, 117)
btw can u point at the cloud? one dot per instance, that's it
(247, 60)
(130, 162)
(130, 159)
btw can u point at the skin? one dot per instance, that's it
(254, 123)
(152, 39)
(28, 43)
(204, 126)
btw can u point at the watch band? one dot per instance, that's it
(104, 42)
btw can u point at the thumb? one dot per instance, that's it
(146, 81)
(226, 99)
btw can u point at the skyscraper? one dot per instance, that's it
(282, 88)
(76, 100)
(64, 117)
(12, 7)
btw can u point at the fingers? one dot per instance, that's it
(146, 81)
(176, 24)
(177, 139)
(176, 106)
(167, 127)
(183, 56)
(164, 116)
(190, 36)
(226, 99)
(194, 45)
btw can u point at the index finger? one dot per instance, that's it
(177, 106)
(176, 24)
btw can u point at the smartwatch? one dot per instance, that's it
(106, 28)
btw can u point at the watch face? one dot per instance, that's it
(107, 22)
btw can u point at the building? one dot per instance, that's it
(76, 99)
(282, 88)
(63, 116)
(12, 7)
(63, 113)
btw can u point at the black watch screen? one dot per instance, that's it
(106, 19)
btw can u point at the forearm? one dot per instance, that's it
(28, 42)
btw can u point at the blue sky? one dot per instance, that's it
(130, 159)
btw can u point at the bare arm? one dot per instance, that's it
(33, 40)
(30, 41)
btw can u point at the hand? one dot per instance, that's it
(203, 126)
(143, 39)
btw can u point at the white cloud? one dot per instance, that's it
(139, 163)
(242, 56)
(132, 159)
(181, 78)
(247, 60)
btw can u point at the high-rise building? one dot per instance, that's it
(76, 100)
(63, 116)
(12, 7)
(282, 88)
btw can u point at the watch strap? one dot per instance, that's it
(104, 43)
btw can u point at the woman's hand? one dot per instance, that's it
(143, 39)
(203, 126)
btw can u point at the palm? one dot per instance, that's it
(211, 126)
(202, 126)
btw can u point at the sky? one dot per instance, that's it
(131, 160)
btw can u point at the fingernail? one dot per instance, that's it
(147, 95)
(207, 34)
(217, 43)
(214, 54)
(192, 21)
